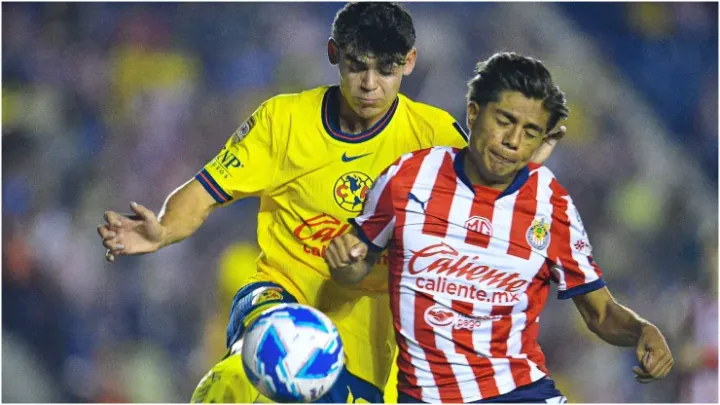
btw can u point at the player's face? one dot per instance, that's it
(505, 134)
(368, 85)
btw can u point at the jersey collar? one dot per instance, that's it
(330, 118)
(459, 164)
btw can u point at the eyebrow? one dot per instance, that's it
(379, 62)
(512, 118)
(354, 59)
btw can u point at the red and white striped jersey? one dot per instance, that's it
(470, 270)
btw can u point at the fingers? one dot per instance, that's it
(113, 245)
(358, 251)
(558, 134)
(641, 353)
(640, 373)
(661, 365)
(143, 212)
(105, 232)
(642, 376)
(112, 218)
(653, 367)
(341, 251)
(654, 364)
(109, 256)
(668, 368)
(330, 256)
(345, 251)
(109, 238)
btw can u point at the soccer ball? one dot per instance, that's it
(292, 353)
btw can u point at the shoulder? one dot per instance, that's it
(559, 197)
(287, 102)
(438, 125)
(433, 157)
(426, 114)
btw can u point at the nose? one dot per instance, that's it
(512, 138)
(369, 80)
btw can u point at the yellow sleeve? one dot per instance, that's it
(448, 132)
(246, 165)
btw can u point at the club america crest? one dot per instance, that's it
(538, 234)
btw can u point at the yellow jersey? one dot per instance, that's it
(311, 178)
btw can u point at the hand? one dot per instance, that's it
(548, 145)
(131, 234)
(653, 355)
(345, 251)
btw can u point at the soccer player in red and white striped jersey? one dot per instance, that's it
(475, 236)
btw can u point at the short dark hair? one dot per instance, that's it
(385, 30)
(508, 71)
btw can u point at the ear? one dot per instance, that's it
(410, 62)
(333, 52)
(473, 110)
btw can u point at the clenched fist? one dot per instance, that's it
(346, 256)
(653, 355)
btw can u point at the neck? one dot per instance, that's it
(352, 123)
(480, 177)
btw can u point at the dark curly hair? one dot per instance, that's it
(384, 30)
(507, 71)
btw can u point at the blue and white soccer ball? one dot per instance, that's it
(292, 353)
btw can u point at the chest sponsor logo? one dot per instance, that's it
(480, 225)
(538, 234)
(316, 233)
(439, 316)
(351, 189)
(440, 268)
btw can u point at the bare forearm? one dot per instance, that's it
(184, 211)
(620, 326)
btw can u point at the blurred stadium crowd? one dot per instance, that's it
(107, 103)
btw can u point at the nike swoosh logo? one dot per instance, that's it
(346, 158)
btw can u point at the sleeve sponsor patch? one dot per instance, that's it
(243, 130)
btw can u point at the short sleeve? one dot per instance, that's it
(246, 165)
(570, 251)
(376, 223)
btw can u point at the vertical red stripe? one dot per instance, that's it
(441, 197)
(500, 330)
(407, 379)
(481, 366)
(445, 380)
(483, 206)
(523, 215)
(537, 294)
(560, 248)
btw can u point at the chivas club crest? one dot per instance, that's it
(538, 235)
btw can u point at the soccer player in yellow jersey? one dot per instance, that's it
(311, 158)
